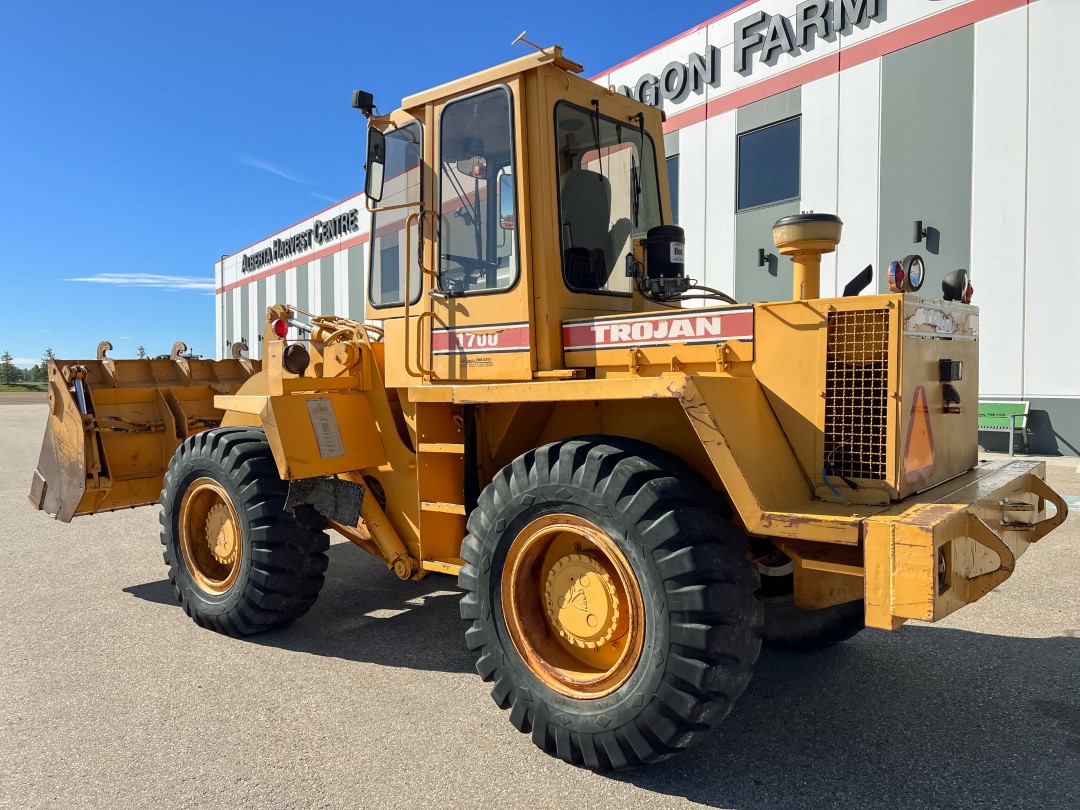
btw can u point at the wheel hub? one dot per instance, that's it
(210, 536)
(581, 601)
(572, 606)
(221, 534)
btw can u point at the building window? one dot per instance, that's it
(673, 187)
(769, 165)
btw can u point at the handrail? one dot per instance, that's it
(408, 284)
(418, 216)
(419, 343)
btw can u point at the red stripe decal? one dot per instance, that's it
(709, 326)
(482, 339)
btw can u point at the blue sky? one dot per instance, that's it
(140, 141)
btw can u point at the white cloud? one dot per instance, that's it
(272, 168)
(25, 361)
(326, 197)
(170, 283)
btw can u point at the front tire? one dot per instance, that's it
(609, 601)
(238, 562)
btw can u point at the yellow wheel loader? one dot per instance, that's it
(634, 478)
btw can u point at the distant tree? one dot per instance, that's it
(141, 354)
(46, 358)
(39, 373)
(8, 372)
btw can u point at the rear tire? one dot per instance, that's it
(238, 562)
(790, 627)
(668, 583)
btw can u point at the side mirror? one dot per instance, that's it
(506, 201)
(376, 163)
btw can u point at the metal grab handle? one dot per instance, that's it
(981, 533)
(420, 344)
(1039, 487)
(408, 286)
(982, 584)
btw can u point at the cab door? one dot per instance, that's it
(479, 317)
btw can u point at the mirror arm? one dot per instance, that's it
(379, 210)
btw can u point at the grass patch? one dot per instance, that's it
(23, 387)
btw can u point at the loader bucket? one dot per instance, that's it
(114, 424)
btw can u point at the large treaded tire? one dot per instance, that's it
(282, 555)
(702, 619)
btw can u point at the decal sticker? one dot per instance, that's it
(919, 451)
(481, 339)
(325, 425)
(941, 320)
(695, 326)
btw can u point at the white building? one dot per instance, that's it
(957, 114)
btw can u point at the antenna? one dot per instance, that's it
(521, 38)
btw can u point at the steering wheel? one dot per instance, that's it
(471, 269)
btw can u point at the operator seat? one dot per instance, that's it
(591, 248)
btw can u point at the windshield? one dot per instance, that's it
(386, 285)
(608, 194)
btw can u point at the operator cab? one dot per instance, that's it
(502, 205)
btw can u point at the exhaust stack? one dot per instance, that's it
(805, 237)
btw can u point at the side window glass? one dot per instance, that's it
(609, 193)
(388, 232)
(478, 207)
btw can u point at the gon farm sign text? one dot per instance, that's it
(768, 36)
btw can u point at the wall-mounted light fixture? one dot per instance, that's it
(763, 257)
(920, 232)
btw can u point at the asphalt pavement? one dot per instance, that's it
(111, 697)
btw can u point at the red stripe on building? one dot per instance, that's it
(676, 38)
(889, 42)
(319, 254)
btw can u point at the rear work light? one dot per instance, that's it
(907, 274)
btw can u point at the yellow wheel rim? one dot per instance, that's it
(210, 539)
(572, 606)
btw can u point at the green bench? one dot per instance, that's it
(1004, 417)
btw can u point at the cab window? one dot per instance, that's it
(609, 194)
(386, 285)
(478, 207)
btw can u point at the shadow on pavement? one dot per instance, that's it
(160, 592)
(927, 716)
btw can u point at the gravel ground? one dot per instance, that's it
(111, 697)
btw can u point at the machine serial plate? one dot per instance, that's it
(325, 425)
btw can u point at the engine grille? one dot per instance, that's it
(857, 393)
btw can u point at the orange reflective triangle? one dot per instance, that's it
(919, 452)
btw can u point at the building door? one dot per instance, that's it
(927, 95)
(766, 189)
